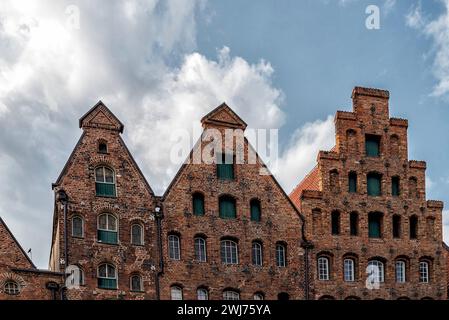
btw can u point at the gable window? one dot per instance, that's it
(77, 227)
(352, 182)
(202, 294)
(413, 227)
(424, 272)
(395, 186)
(198, 204)
(257, 253)
(372, 145)
(374, 184)
(11, 288)
(176, 293)
(107, 276)
(323, 268)
(335, 223)
(400, 271)
(227, 207)
(136, 234)
(375, 225)
(200, 249)
(376, 271)
(396, 226)
(349, 270)
(174, 247)
(255, 210)
(136, 283)
(229, 252)
(225, 167)
(104, 182)
(231, 295)
(107, 228)
(353, 224)
(102, 147)
(281, 255)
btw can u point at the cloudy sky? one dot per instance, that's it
(161, 65)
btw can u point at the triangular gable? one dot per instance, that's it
(224, 116)
(16, 257)
(101, 117)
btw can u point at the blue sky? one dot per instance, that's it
(161, 65)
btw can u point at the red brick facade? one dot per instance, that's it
(130, 244)
(324, 195)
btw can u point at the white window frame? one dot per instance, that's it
(281, 255)
(11, 288)
(258, 296)
(176, 293)
(257, 254)
(104, 175)
(424, 272)
(400, 271)
(231, 295)
(200, 249)
(108, 276)
(140, 283)
(202, 294)
(107, 223)
(229, 247)
(349, 269)
(174, 247)
(323, 269)
(380, 267)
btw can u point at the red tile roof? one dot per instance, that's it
(310, 182)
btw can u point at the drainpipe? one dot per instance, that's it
(64, 199)
(159, 215)
(307, 245)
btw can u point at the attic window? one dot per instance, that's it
(102, 147)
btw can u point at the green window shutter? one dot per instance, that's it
(395, 186)
(225, 171)
(352, 183)
(105, 189)
(374, 227)
(107, 283)
(255, 211)
(107, 236)
(198, 205)
(227, 208)
(373, 185)
(372, 146)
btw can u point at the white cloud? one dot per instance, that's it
(300, 155)
(414, 18)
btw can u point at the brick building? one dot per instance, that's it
(366, 211)
(229, 231)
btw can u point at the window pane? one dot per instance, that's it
(423, 272)
(352, 182)
(105, 189)
(395, 186)
(99, 175)
(136, 283)
(229, 254)
(231, 295)
(258, 296)
(109, 175)
(349, 270)
(107, 236)
(257, 254)
(176, 293)
(102, 271)
(136, 234)
(255, 210)
(112, 223)
(200, 249)
(280, 256)
(198, 205)
(323, 268)
(400, 271)
(77, 227)
(102, 222)
(174, 247)
(202, 294)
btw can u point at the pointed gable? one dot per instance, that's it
(16, 256)
(101, 117)
(223, 116)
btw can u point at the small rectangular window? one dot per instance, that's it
(352, 182)
(225, 167)
(395, 186)
(372, 145)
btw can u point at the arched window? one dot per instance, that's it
(354, 223)
(11, 287)
(395, 186)
(107, 228)
(107, 276)
(352, 182)
(283, 296)
(202, 294)
(396, 226)
(335, 223)
(375, 225)
(136, 283)
(102, 146)
(258, 296)
(227, 207)
(137, 234)
(200, 249)
(77, 227)
(349, 269)
(372, 145)
(424, 275)
(231, 295)
(374, 184)
(257, 255)
(323, 268)
(413, 227)
(229, 252)
(281, 254)
(104, 182)
(198, 204)
(174, 247)
(255, 210)
(334, 181)
(176, 293)
(76, 275)
(400, 271)
(375, 271)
